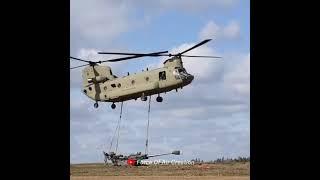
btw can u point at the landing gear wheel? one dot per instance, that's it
(159, 99)
(96, 105)
(113, 106)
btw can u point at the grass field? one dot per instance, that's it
(176, 172)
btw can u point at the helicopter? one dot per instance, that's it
(100, 84)
(132, 159)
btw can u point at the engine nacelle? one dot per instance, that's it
(96, 74)
(97, 79)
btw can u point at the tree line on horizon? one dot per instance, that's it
(223, 160)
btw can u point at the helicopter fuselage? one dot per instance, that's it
(100, 85)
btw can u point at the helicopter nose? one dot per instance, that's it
(191, 77)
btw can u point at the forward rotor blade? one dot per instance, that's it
(197, 45)
(143, 54)
(170, 55)
(79, 59)
(79, 66)
(201, 56)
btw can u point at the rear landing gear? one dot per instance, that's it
(113, 106)
(96, 105)
(159, 99)
(143, 97)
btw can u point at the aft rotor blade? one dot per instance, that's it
(89, 84)
(79, 66)
(132, 57)
(195, 46)
(202, 56)
(121, 59)
(143, 54)
(79, 59)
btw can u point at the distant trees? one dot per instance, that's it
(223, 160)
(197, 161)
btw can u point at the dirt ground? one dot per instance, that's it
(239, 171)
(159, 177)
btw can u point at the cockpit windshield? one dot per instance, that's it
(180, 73)
(182, 70)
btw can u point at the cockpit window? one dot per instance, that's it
(176, 74)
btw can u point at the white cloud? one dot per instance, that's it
(89, 54)
(99, 19)
(232, 30)
(188, 5)
(238, 80)
(99, 23)
(210, 30)
(215, 31)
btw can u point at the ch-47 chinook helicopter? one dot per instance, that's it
(99, 84)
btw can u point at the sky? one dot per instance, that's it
(208, 119)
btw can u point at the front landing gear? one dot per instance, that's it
(159, 99)
(113, 106)
(96, 105)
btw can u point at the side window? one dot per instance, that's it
(176, 74)
(113, 85)
(162, 75)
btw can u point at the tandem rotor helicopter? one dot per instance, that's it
(99, 84)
